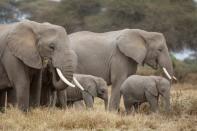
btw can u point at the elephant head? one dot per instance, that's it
(162, 87)
(34, 42)
(102, 91)
(146, 48)
(95, 86)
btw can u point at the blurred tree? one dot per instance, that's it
(177, 19)
(72, 13)
(7, 11)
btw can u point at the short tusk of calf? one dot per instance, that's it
(78, 84)
(166, 73)
(63, 78)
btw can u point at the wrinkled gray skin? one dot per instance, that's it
(48, 90)
(115, 55)
(24, 46)
(139, 89)
(93, 86)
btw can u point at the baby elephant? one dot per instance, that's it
(93, 87)
(138, 89)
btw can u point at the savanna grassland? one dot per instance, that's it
(182, 118)
(177, 21)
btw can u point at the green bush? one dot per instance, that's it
(183, 68)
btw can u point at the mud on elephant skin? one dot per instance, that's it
(93, 87)
(23, 48)
(139, 89)
(115, 55)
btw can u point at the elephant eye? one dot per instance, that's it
(102, 91)
(160, 50)
(52, 46)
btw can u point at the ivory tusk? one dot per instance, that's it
(174, 78)
(63, 78)
(167, 74)
(78, 84)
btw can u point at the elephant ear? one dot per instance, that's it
(132, 44)
(151, 88)
(22, 43)
(91, 88)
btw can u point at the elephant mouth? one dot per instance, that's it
(154, 66)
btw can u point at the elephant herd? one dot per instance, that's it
(40, 64)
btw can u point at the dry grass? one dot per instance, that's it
(182, 118)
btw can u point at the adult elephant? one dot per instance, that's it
(24, 46)
(115, 55)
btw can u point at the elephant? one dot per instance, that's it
(138, 89)
(90, 87)
(114, 56)
(25, 47)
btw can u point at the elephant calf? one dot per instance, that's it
(138, 89)
(93, 87)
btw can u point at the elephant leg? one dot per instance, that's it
(53, 99)
(153, 101)
(35, 89)
(45, 95)
(70, 104)
(128, 105)
(22, 94)
(2, 100)
(62, 97)
(136, 106)
(19, 76)
(166, 99)
(120, 70)
(115, 93)
(114, 99)
(88, 99)
(11, 97)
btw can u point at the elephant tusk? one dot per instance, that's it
(78, 84)
(167, 74)
(174, 78)
(63, 78)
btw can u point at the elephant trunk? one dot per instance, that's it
(58, 84)
(106, 102)
(166, 98)
(65, 65)
(166, 64)
(62, 97)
